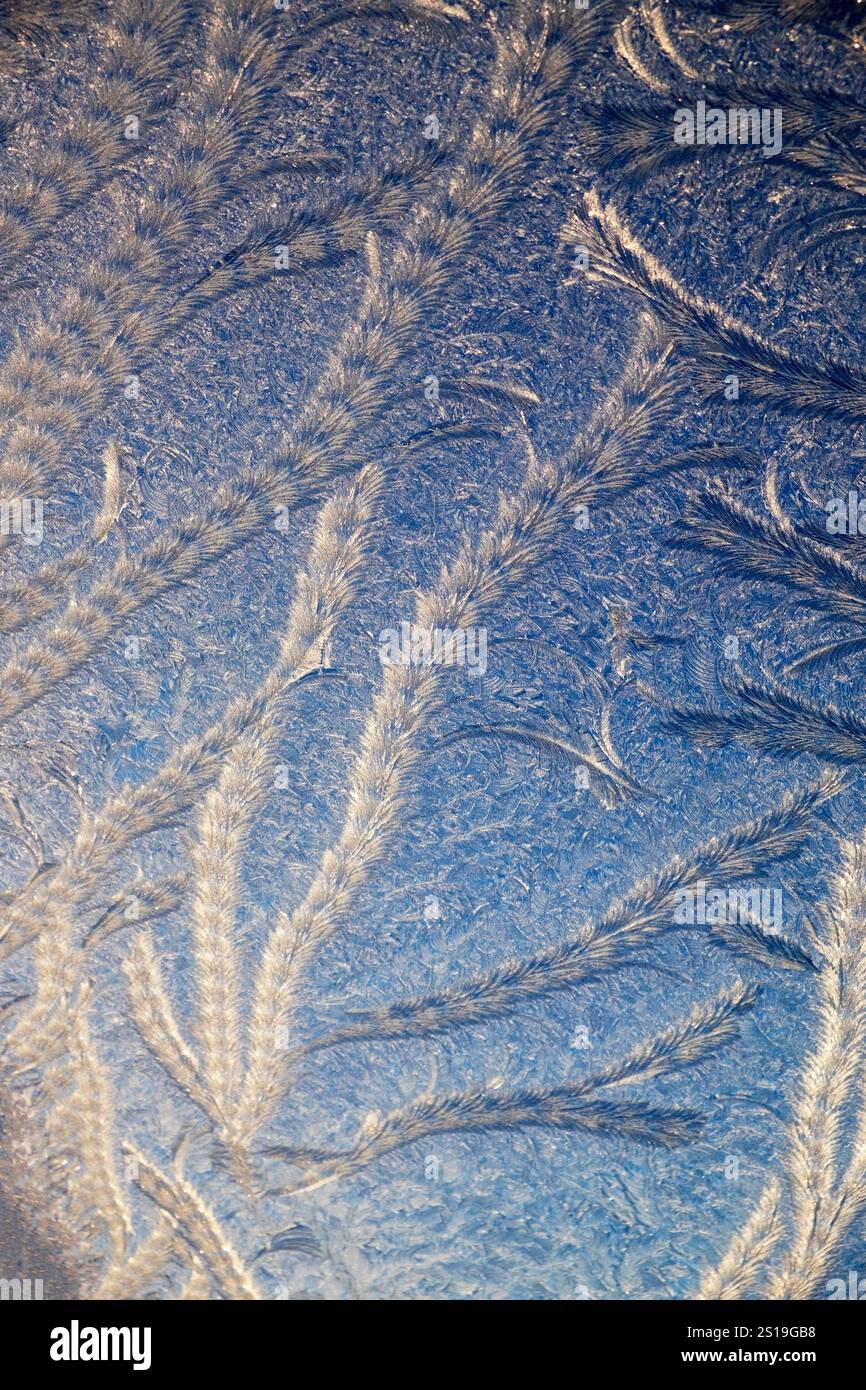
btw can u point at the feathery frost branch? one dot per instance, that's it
(139, 42)
(644, 913)
(637, 136)
(706, 333)
(196, 1224)
(311, 237)
(770, 716)
(824, 1175)
(483, 1111)
(839, 17)
(746, 1257)
(610, 783)
(338, 554)
(607, 459)
(111, 321)
(573, 1106)
(531, 75)
(744, 542)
